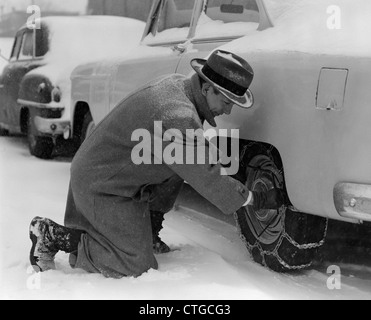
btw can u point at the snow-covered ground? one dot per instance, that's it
(209, 261)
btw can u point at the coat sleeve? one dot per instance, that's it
(204, 173)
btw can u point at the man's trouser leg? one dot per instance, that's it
(163, 200)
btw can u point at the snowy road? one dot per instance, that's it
(208, 262)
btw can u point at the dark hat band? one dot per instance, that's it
(223, 82)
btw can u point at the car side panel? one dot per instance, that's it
(80, 83)
(319, 147)
(133, 74)
(102, 85)
(83, 81)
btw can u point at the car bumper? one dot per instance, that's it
(48, 118)
(53, 127)
(353, 200)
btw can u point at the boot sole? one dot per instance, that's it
(33, 260)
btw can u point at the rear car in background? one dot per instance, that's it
(35, 86)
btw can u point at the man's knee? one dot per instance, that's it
(165, 195)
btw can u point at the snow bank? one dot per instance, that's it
(310, 26)
(209, 260)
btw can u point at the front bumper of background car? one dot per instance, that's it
(49, 119)
(353, 200)
(53, 127)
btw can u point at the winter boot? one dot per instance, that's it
(47, 239)
(159, 246)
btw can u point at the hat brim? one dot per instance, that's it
(246, 101)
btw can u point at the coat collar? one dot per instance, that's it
(194, 93)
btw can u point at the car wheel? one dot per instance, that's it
(88, 126)
(3, 132)
(40, 147)
(282, 240)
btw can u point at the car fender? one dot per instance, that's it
(103, 84)
(86, 81)
(35, 88)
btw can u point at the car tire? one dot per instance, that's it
(3, 132)
(87, 127)
(39, 146)
(282, 240)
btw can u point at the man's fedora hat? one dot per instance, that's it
(229, 74)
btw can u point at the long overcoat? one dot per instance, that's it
(110, 194)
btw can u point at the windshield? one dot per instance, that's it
(174, 21)
(229, 18)
(218, 19)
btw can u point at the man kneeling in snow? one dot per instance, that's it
(115, 208)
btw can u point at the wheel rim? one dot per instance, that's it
(266, 225)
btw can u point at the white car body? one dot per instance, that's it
(310, 121)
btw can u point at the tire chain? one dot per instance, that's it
(285, 235)
(274, 253)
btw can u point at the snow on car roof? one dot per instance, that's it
(336, 27)
(79, 40)
(87, 38)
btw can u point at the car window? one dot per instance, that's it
(174, 22)
(42, 41)
(16, 47)
(230, 18)
(27, 47)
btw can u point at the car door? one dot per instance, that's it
(22, 61)
(5, 80)
(167, 32)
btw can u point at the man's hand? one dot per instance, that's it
(272, 199)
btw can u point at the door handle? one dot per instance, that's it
(182, 47)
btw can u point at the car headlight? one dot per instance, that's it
(56, 95)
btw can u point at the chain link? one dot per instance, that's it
(284, 235)
(275, 253)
